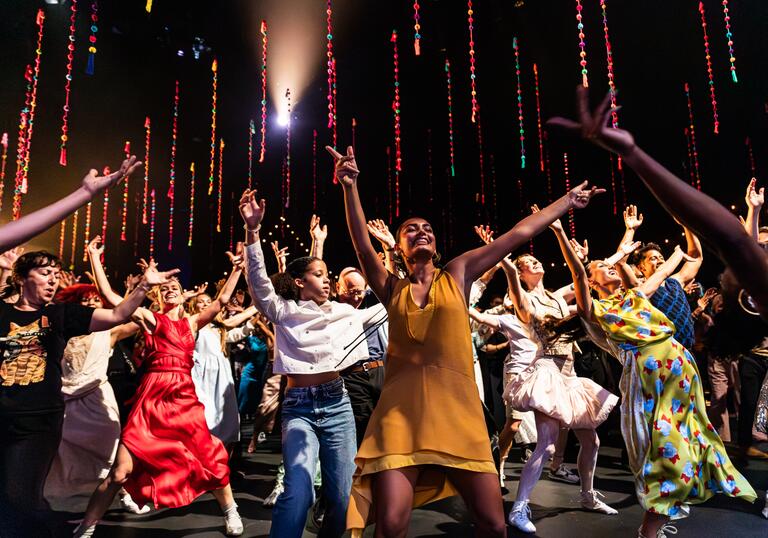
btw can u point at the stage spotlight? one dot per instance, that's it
(52, 2)
(282, 120)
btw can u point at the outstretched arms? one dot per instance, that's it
(19, 231)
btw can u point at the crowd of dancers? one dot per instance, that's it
(392, 389)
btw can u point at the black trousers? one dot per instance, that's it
(752, 369)
(28, 445)
(364, 389)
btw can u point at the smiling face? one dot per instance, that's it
(40, 285)
(201, 302)
(314, 285)
(416, 240)
(650, 261)
(603, 276)
(171, 293)
(92, 300)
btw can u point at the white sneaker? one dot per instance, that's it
(502, 476)
(272, 497)
(590, 501)
(130, 505)
(564, 474)
(661, 533)
(261, 438)
(520, 517)
(233, 523)
(765, 510)
(84, 531)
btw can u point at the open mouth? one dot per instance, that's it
(421, 241)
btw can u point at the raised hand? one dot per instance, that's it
(237, 259)
(281, 254)
(94, 183)
(251, 209)
(9, 257)
(194, 292)
(685, 256)
(628, 247)
(95, 248)
(345, 166)
(153, 277)
(632, 219)
(580, 196)
(131, 281)
(484, 233)
(143, 264)
(67, 279)
(317, 232)
(593, 126)
(754, 198)
(378, 229)
(582, 251)
(705, 299)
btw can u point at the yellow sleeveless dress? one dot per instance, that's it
(429, 412)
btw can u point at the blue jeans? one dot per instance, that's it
(317, 422)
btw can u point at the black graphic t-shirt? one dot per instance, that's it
(31, 346)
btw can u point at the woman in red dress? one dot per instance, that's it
(167, 455)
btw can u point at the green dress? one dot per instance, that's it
(675, 453)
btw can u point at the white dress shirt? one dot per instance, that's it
(309, 338)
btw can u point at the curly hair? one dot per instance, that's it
(284, 283)
(24, 264)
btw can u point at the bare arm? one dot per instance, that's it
(578, 273)
(486, 319)
(468, 266)
(375, 273)
(319, 234)
(121, 332)
(703, 215)
(653, 282)
(104, 319)
(239, 319)
(95, 251)
(755, 200)
(225, 293)
(632, 221)
(690, 269)
(19, 231)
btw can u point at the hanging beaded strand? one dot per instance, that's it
(191, 203)
(729, 37)
(212, 169)
(538, 117)
(566, 172)
(396, 112)
(74, 240)
(147, 138)
(692, 132)
(288, 152)
(416, 28)
(152, 225)
(263, 91)
(710, 73)
(582, 46)
(314, 170)
(3, 161)
(450, 115)
(90, 66)
(472, 74)
(516, 48)
(62, 238)
(68, 86)
(330, 65)
(609, 58)
(251, 132)
(105, 208)
(172, 179)
(87, 234)
(124, 215)
(221, 185)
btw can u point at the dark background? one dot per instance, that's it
(657, 46)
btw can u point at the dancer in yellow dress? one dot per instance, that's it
(675, 454)
(427, 439)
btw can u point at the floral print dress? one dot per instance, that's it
(675, 453)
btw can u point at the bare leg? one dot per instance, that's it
(481, 494)
(102, 497)
(547, 430)
(507, 437)
(587, 461)
(559, 456)
(652, 523)
(393, 501)
(224, 496)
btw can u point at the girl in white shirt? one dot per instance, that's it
(315, 339)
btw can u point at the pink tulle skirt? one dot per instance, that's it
(549, 386)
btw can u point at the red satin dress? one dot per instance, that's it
(175, 458)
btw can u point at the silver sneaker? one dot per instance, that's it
(661, 533)
(520, 517)
(130, 505)
(589, 501)
(84, 531)
(564, 474)
(272, 497)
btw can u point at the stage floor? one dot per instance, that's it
(554, 513)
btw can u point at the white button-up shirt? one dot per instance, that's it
(309, 338)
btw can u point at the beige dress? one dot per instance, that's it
(549, 384)
(91, 428)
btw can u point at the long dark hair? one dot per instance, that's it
(284, 283)
(397, 257)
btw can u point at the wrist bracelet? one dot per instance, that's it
(252, 230)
